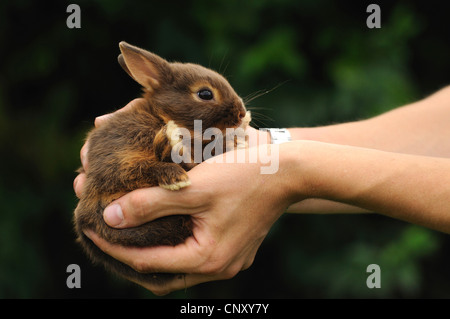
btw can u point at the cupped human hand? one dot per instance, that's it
(232, 206)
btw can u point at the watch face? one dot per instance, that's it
(280, 136)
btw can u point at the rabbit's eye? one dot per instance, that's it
(205, 94)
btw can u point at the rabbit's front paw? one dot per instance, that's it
(174, 180)
(176, 185)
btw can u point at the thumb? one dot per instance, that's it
(146, 204)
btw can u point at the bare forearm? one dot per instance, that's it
(407, 187)
(420, 128)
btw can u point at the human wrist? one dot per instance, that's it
(331, 171)
(292, 176)
(302, 163)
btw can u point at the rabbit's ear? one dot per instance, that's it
(144, 67)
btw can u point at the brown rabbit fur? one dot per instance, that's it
(133, 150)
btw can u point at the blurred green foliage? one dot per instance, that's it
(327, 66)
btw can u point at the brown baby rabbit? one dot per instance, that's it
(133, 149)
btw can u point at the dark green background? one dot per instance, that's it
(54, 81)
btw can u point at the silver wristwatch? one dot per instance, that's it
(278, 135)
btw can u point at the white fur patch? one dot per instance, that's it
(246, 120)
(240, 140)
(173, 133)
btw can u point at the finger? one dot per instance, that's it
(183, 281)
(179, 282)
(133, 257)
(83, 155)
(78, 184)
(100, 120)
(146, 204)
(183, 258)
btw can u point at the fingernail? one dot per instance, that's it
(113, 215)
